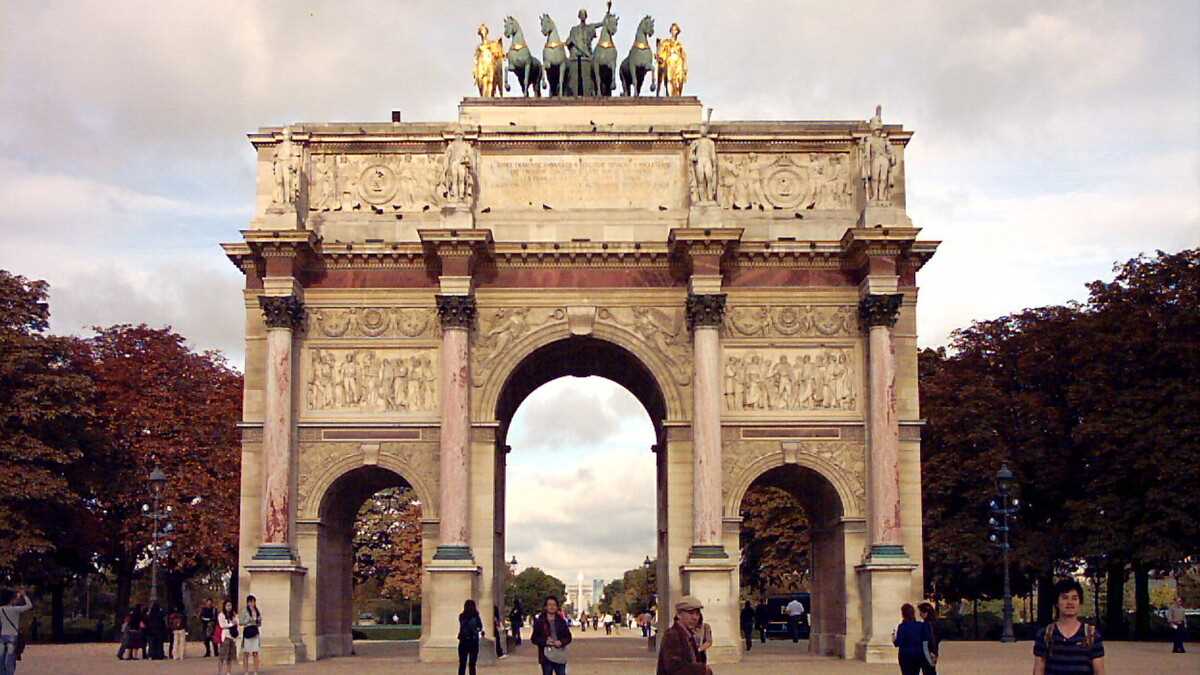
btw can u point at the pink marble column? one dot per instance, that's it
(457, 313)
(282, 314)
(704, 315)
(878, 313)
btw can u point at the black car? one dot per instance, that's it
(778, 626)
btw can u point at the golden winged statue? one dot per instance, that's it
(489, 64)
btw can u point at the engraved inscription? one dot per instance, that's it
(582, 182)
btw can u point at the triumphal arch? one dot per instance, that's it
(753, 283)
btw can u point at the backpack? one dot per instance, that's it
(1089, 637)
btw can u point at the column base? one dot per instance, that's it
(451, 582)
(884, 583)
(276, 553)
(278, 586)
(454, 552)
(710, 580)
(708, 552)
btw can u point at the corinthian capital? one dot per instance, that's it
(705, 310)
(456, 311)
(880, 309)
(282, 311)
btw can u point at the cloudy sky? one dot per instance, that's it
(1052, 138)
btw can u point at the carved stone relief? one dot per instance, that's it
(371, 380)
(848, 458)
(372, 322)
(419, 464)
(795, 379)
(400, 182)
(664, 330)
(502, 327)
(795, 181)
(791, 321)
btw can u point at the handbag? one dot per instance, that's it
(19, 642)
(556, 654)
(251, 632)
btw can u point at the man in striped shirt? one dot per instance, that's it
(1068, 646)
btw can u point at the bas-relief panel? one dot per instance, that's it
(600, 181)
(396, 182)
(787, 181)
(783, 380)
(848, 458)
(372, 322)
(359, 382)
(419, 460)
(791, 321)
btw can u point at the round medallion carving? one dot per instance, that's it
(784, 186)
(378, 184)
(373, 322)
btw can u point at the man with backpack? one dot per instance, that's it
(1068, 646)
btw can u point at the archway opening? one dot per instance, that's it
(792, 544)
(369, 554)
(580, 488)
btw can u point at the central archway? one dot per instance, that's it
(581, 357)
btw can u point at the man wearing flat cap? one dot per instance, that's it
(679, 649)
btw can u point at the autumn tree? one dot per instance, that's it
(161, 404)
(387, 543)
(775, 541)
(45, 406)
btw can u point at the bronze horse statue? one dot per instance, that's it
(604, 59)
(640, 60)
(554, 57)
(521, 61)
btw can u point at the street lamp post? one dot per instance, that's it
(157, 480)
(1004, 509)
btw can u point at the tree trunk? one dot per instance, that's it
(1046, 599)
(975, 612)
(173, 582)
(57, 590)
(124, 590)
(233, 586)
(1141, 600)
(1114, 614)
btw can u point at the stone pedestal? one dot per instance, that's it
(279, 218)
(279, 589)
(883, 214)
(884, 584)
(705, 214)
(712, 582)
(451, 582)
(458, 217)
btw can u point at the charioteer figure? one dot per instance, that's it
(580, 81)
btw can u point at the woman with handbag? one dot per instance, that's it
(551, 634)
(250, 620)
(227, 634)
(469, 628)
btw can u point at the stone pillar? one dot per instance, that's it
(885, 575)
(282, 315)
(878, 312)
(705, 313)
(276, 577)
(457, 314)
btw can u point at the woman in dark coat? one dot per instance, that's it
(470, 626)
(747, 621)
(550, 629)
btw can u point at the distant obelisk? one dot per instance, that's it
(579, 608)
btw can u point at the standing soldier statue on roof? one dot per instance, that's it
(580, 81)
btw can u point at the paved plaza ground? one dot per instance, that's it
(600, 655)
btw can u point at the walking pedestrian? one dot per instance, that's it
(551, 634)
(704, 639)
(251, 625)
(1068, 645)
(226, 638)
(126, 638)
(929, 616)
(498, 630)
(912, 638)
(12, 606)
(680, 653)
(608, 621)
(747, 624)
(208, 624)
(156, 631)
(516, 621)
(470, 626)
(645, 620)
(795, 615)
(178, 625)
(1178, 620)
(762, 619)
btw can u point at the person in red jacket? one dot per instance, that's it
(679, 653)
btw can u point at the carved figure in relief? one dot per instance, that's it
(703, 157)
(755, 382)
(459, 170)
(510, 324)
(554, 58)
(364, 380)
(489, 64)
(285, 170)
(323, 190)
(640, 60)
(878, 159)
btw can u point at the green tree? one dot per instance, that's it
(387, 543)
(531, 587)
(775, 541)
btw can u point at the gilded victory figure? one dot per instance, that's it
(489, 64)
(672, 63)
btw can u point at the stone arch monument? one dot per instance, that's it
(415, 281)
